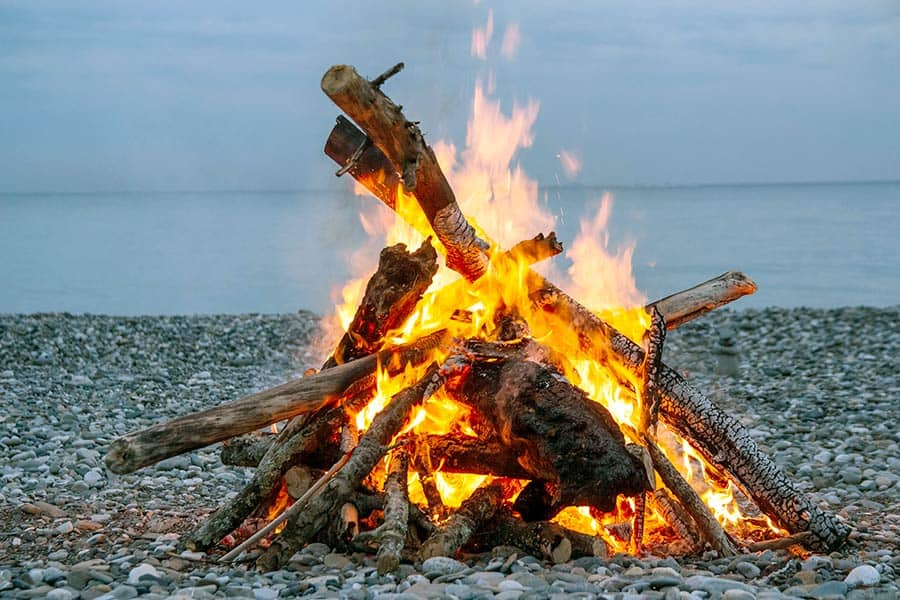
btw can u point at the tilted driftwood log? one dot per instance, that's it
(196, 430)
(402, 142)
(718, 436)
(689, 304)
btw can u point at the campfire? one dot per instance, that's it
(486, 409)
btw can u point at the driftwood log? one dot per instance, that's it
(718, 436)
(303, 395)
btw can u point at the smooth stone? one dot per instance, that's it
(748, 570)
(335, 560)
(863, 575)
(816, 562)
(124, 592)
(265, 593)
(830, 589)
(442, 565)
(59, 594)
(715, 585)
(738, 595)
(143, 570)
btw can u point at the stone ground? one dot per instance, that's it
(819, 389)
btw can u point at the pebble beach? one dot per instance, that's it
(819, 389)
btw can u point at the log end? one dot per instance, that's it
(741, 282)
(338, 78)
(120, 458)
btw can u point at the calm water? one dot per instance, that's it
(181, 253)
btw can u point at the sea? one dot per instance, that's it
(152, 253)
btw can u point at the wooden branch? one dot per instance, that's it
(392, 534)
(539, 248)
(372, 445)
(196, 430)
(472, 513)
(687, 305)
(718, 436)
(650, 372)
(780, 543)
(402, 142)
(390, 298)
(296, 507)
(676, 516)
(706, 523)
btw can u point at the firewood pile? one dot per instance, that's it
(507, 351)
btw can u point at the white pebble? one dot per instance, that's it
(863, 575)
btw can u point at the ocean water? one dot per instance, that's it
(814, 245)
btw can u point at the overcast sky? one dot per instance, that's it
(151, 95)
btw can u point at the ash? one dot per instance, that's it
(819, 390)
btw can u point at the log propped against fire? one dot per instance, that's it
(505, 351)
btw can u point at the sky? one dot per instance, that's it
(203, 95)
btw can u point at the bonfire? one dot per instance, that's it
(476, 403)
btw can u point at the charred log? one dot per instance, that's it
(390, 298)
(556, 429)
(541, 539)
(472, 513)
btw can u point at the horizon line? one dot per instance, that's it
(573, 185)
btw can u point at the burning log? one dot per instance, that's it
(650, 372)
(390, 297)
(476, 510)
(485, 455)
(372, 446)
(196, 430)
(571, 442)
(541, 539)
(718, 436)
(402, 142)
(392, 534)
(706, 523)
(675, 516)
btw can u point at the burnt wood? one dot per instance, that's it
(390, 298)
(468, 518)
(402, 143)
(556, 430)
